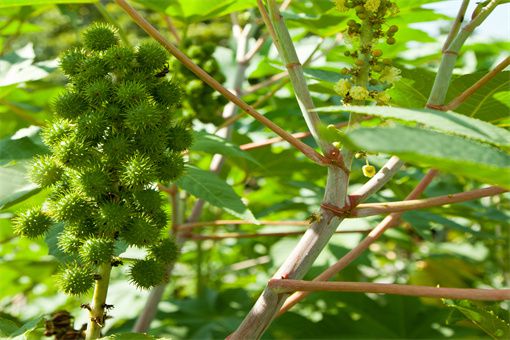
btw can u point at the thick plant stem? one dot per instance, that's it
(97, 307)
(298, 262)
(288, 53)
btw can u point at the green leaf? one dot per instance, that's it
(213, 144)
(491, 102)
(444, 152)
(413, 89)
(7, 327)
(209, 187)
(15, 187)
(487, 320)
(199, 10)
(443, 121)
(24, 332)
(16, 3)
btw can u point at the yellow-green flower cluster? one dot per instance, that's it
(370, 75)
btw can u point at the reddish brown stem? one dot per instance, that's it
(354, 253)
(255, 235)
(284, 286)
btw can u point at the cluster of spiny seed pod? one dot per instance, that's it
(201, 101)
(113, 136)
(368, 64)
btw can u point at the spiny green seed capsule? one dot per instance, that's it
(45, 171)
(100, 37)
(32, 223)
(165, 251)
(96, 251)
(69, 242)
(75, 278)
(146, 274)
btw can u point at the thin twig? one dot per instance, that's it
(266, 83)
(369, 209)
(456, 25)
(256, 235)
(199, 72)
(377, 182)
(283, 285)
(467, 93)
(388, 222)
(172, 29)
(193, 225)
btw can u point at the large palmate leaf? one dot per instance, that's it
(445, 152)
(487, 320)
(209, 187)
(413, 89)
(491, 102)
(449, 122)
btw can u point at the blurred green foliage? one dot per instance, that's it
(215, 282)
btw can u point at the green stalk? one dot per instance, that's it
(97, 308)
(444, 74)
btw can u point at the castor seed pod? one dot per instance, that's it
(71, 61)
(167, 93)
(151, 56)
(138, 171)
(359, 62)
(180, 137)
(97, 250)
(146, 274)
(141, 232)
(147, 201)
(75, 278)
(56, 131)
(165, 251)
(91, 126)
(100, 37)
(131, 92)
(93, 181)
(112, 217)
(32, 223)
(119, 58)
(69, 242)
(69, 105)
(142, 116)
(71, 207)
(45, 171)
(98, 91)
(170, 166)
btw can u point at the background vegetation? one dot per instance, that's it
(222, 268)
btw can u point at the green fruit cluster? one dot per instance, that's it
(201, 101)
(114, 135)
